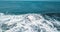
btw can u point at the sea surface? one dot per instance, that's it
(22, 7)
(29, 16)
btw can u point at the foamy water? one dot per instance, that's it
(27, 23)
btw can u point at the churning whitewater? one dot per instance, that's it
(28, 23)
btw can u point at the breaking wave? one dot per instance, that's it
(28, 23)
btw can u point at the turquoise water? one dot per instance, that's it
(22, 7)
(34, 16)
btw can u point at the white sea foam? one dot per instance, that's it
(27, 23)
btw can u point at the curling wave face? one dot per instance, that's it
(28, 23)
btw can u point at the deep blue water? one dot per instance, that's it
(22, 7)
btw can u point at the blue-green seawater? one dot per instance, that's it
(22, 7)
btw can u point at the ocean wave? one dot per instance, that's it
(28, 23)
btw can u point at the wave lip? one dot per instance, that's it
(27, 23)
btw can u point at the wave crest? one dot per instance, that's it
(28, 23)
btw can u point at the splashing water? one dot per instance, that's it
(28, 23)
